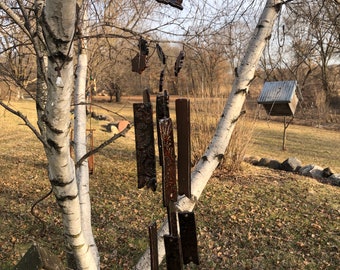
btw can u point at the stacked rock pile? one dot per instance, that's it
(292, 164)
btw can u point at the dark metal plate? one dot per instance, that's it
(139, 63)
(184, 146)
(172, 219)
(187, 225)
(173, 252)
(162, 111)
(145, 145)
(153, 246)
(146, 96)
(169, 161)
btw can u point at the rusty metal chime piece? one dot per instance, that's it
(161, 81)
(187, 226)
(139, 62)
(172, 242)
(162, 111)
(161, 54)
(168, 161)
(172, 219)
(184, 146)
(145, 147)
(173, 252)
(173, 3)
(179, 62)
(153, 245)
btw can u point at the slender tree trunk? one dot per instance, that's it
(59, 29)
(41, 94)
(284, 137)
(232, 111)
(80, 134)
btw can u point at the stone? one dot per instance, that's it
(252, 160)
(327, 172)
(111, 127)
(263, 162)
(335, 180)
(291, 164)
(38, 258)
(274, 164)
(305, 169)
(316, 172)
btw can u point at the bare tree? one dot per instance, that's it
(232, 112)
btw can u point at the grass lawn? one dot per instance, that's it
(256, 218)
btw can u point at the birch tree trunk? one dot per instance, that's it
(80, 133)
(59, 28)
(231, 113)
(41, 60)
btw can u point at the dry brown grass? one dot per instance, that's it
(254, 219)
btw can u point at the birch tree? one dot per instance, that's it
(230, 115)
(80, 132)
(55, 81)
(59, 30)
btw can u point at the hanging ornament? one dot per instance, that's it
(139, 62)
(173, 3)
(179, 62)
(161, 54)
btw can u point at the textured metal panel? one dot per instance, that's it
(281, 91)
(169, 161)
(187, 226)
(145, 145)
(184, 147)
(162, 111)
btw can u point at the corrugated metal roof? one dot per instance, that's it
(280, 91)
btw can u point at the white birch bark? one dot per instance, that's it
(80, 134)
(42, 62)
(59, 28)
(231, 113)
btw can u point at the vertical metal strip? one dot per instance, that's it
(146, 96)
(184, 146)
(169, 161)
(162, 111)
(145, 145)
(153, 245)
(172, 219)
(187, 225)
(173, 252)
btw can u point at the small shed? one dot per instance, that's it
(279, 98)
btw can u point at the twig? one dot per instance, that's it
(92, 104)
(106, 143)
(36, 216)
(27, 122)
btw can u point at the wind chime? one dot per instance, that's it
(180, 243)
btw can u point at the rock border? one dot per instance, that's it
(293, 164)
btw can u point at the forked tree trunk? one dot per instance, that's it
(231, 113)
(59, 29)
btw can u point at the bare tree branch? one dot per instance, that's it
(104, 144)
(27, 122)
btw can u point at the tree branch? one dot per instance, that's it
(104, 144)
(14, 17)
(27, 122)
(102, 107)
